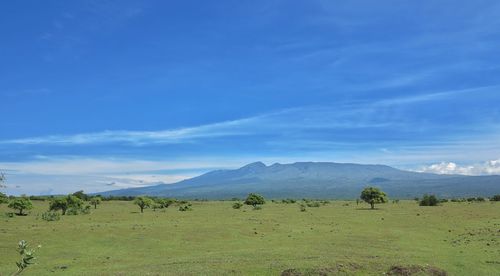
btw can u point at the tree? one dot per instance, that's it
(373, 196)
(495, 198)
(3, 198)
(64, 203)
(95, 201)
(429, 200)
(143, 202)
(81, 195)
(21, 204)
(254, 200)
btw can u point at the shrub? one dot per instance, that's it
(302, 207)
(254, 200)
(237, 205)
(27, 256)
(51, 216)
(429, 200)
(443, 200)
(257, 207)
(185, 207)
(313, 204)
(288, 201)
(495, 198)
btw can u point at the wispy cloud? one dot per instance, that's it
(293, 121)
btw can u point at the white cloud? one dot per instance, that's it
(491, 167)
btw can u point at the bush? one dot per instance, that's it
(429, 200)
(237, 205)
(302, 207)
(51, 216)
(313, 204)
(288, 201)
(254, 200)
(495, 198)
(257, 207)
(443, 200)
(185, 207)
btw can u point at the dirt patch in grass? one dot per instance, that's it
(401, 270)
(324, 271)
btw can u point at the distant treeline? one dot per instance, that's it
(87, 197)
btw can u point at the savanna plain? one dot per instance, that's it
(337, 238)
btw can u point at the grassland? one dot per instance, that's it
(214, 239)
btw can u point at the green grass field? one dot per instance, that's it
(214, 239)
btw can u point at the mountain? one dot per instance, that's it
(318, 180)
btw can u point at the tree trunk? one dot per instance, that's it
(95, 205)
(20, 212)
(142, 209)
(63, 212)
(373, 205)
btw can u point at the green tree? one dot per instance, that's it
(21, 204)
(65, 203)
(143, 202)
(254, 200)
(373, 196)
(429, 200)
(95, 201)
(3, 198)
(81, 195)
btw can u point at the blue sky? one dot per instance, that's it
(98, 95)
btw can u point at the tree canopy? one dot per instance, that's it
(143, 202)
(373, 196)
(254, 200)
(21, 204)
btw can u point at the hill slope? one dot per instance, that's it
(318, 180)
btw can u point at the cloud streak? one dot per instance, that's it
(381, 114)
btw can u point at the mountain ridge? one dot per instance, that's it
(318, 180)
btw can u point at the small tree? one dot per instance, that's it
(373, 196)
(81, 195)
(254, 200)
(65, 203)
(143, 202)
(21, 204)
(95, 201)
(3, 198)
(429, 200)
(495, 198)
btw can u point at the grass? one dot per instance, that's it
(215, 239)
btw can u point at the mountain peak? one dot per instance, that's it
(254, 165)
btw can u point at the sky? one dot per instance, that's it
(101, 95)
